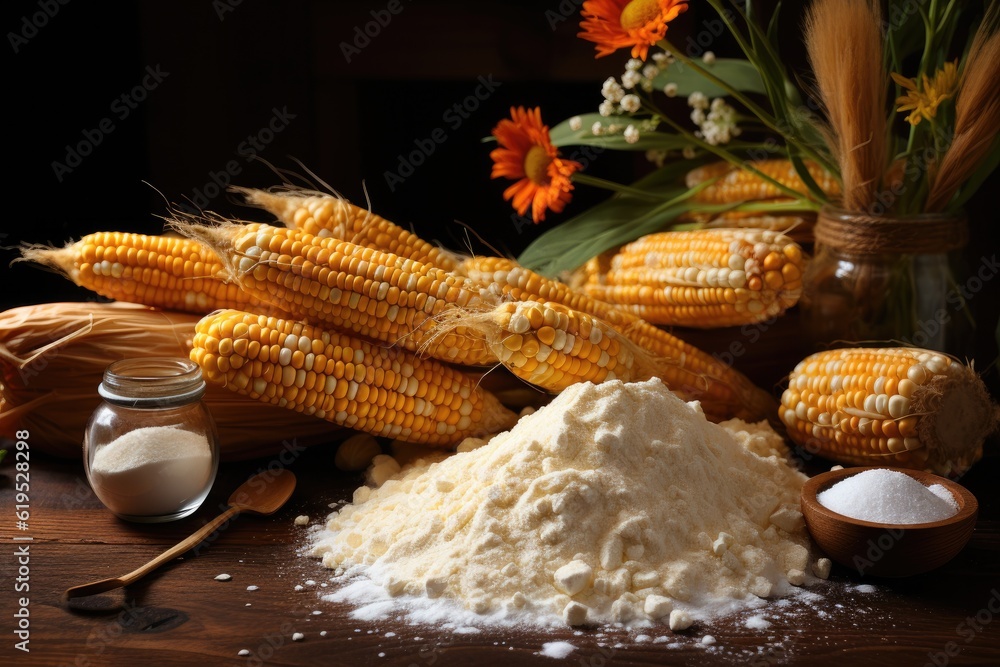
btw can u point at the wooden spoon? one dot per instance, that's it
(264, 494)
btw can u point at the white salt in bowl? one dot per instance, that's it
(885, 549)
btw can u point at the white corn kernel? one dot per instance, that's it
(680, 620)
(356, 452)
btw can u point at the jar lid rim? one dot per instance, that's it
(152, 382)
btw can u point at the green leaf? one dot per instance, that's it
(617, 220)
(772, 26)
(3, 453)
(605, 226)
(563, 135)
(803, 172)
(736, 72)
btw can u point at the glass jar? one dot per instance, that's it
(150, 449)
(877, 280)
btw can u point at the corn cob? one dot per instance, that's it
(552, 346)
(737, 185)
(704, 278)
(162, 271)
(723, 391)
(327, 215)
(592, 272)
(383, 391)
(352, 288)
(903, 407)
(798, 228)
(53, 355)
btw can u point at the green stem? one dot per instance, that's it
(742, 164)
(758, 207)
(927, 18)
(767, 119)
(594, 181)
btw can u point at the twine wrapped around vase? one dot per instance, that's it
(866, 235)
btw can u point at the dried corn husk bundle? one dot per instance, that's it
(52, 357)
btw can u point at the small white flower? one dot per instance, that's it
(612, 90)
(650, 71)
(689, 153)
(631, 134)
(670, 90)
(631, 79)
(662, 59)
(634, 65)
(613, 128)
(708, 58)
(597, 129)
(698, 100)
(719, 126)
(631, 103)
(606, 108)
(656, 156)
(698, 117)
(575, 123)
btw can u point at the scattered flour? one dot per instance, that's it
(888, 496)
(757, 622)
(606, 503)
(557, 650)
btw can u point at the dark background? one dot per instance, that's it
(230, 65)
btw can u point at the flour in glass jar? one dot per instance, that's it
(616, 503)
(152, 470)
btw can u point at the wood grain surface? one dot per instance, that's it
(181, 615)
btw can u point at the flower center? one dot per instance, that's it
(536, 165)
(639, 13)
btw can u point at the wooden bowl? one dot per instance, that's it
(882, 549)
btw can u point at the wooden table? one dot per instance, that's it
(182, 615)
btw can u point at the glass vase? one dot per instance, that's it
(887, 281)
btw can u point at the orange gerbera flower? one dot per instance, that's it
(616, 24)
(526, 154)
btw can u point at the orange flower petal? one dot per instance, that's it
(515, 137)
(603, 24)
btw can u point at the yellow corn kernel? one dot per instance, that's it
(164, 271)
(386, 392)
(904, 407)
(327, 215)
(704, 278)
(693, 374)
(338, 284)
(738, 185)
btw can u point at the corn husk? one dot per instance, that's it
(53, 355)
